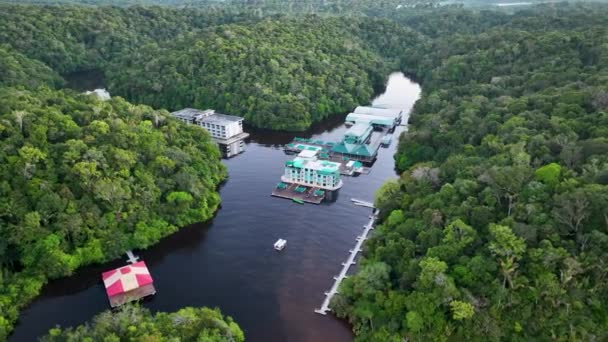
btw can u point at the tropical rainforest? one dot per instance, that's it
(496, 229)
(133, 323)
(82, 180)
(277, 73)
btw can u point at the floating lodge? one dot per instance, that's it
(379, 118)
(315, 173)
(128, 283)
(308, 178)
(226, 130)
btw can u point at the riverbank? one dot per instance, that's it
(77, 193)
(229, 262)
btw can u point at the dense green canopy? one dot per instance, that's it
(281, 74)
(82, 180)
(133, 323)
(18, 70)
(498, 227)
(278, 73)
(496, 230)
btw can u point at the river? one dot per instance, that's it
(229, 262)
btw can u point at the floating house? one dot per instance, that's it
(307, 170)
(226, 130)
(128, 283)
(358, 134)
(358, 144)
(308, 179)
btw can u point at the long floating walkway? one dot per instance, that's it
(351, 261)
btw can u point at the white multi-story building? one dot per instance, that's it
(226, 130)
(307, 170)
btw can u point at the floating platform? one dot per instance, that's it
(350, 261)
(310, 195)
(324, 152)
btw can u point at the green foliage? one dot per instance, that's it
(279, 73)
(496, 229)
(508, 242)
(549, 174)
(461, 310)
(82, 180)
(134, 323)
(18, 70)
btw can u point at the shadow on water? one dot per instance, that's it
(229, 261)
(85, 80)
(268, 138)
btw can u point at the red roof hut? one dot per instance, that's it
(128, 283)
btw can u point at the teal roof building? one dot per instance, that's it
(358, 134)
(357, 143)
(309, 171)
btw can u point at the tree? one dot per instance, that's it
(134, 322)
(461, 310)
(549, 174)
(571, 210)
(508, 248)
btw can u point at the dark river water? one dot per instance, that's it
(230, 262)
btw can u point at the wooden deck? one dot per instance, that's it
(290, 193)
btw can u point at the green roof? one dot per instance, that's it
(354, 149)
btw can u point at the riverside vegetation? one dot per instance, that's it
(495, 230)
(82, 180)
(134, 323)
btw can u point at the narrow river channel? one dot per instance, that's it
(229, 262)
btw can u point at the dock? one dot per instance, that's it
(290, 193)
(349, 262)
(362, 203)
(131, 257)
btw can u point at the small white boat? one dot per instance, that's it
(280, 244)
